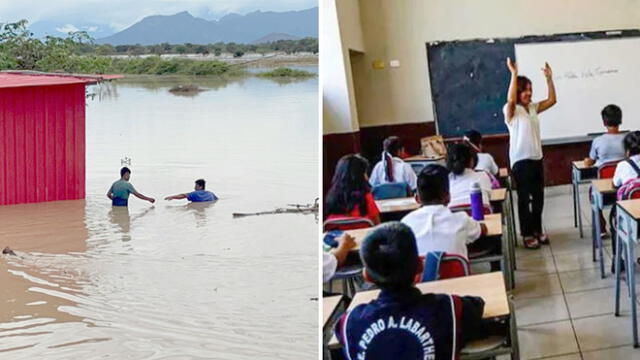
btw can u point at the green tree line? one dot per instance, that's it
(77, 53)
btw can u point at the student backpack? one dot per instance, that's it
(630, 185)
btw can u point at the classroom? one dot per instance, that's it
(483, 159)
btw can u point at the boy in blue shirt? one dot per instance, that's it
(199, 195)
(120, 190)
(403, 323)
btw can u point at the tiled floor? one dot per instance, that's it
(563, 309)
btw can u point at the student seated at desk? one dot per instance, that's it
(626, 171)
(436, 227)
(608, 147)
(461, 161)
(403, 323)
(335, 258)
(485, 161)
(391, 168)
(630, 168)
(350, 192)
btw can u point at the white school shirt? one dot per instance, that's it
(460, 187)
(524, 133)
(329, 266)
(624, 172)
(402, 172)
(486, 163)
(437, 228)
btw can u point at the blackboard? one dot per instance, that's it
(469, 79)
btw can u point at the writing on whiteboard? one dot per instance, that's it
(586, 73)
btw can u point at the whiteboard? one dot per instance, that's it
(588, 75)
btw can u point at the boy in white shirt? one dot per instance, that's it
(435, 226)
(485, 161)
(392, 169)
(461, 160)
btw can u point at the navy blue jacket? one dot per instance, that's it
(409, 325)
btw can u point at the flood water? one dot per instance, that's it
(174, 280)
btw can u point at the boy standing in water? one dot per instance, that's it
(199, 195)
(120, 190)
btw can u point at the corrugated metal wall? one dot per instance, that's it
(42, 144)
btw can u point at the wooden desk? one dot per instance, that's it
(603, 194)
(490, 287)
(422, 158)
(580, 174)
(329, 308)
(492, 221)
(407, 204)
(628, 219)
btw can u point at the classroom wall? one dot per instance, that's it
(400, 29)
(397, 101)
(341, 31)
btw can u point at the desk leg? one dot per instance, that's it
(631, 276)
(618, 264)
(574, 193)
(597, 235)
(579, 210)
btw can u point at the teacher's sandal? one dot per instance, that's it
(531, 242)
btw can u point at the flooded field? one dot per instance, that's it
(174, 280)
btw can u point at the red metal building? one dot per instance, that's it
(42, 137)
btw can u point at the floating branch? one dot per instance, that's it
(291, 209)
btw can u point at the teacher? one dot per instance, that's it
(525, 152)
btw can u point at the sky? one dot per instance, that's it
(108, 16)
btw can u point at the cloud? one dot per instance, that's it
(67, 29)
(92, 28)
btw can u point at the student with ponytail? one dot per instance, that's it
(391, 169)
(473, 138)
(461, 160)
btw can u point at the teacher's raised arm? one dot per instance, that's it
(512, 95)
(551, 97)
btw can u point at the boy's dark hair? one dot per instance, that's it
(632, 143)
(611, 115)
(474, 137)
(124, 170)
(348, 186)
(521, 85)
(390, 256)
(460, 157)
(200, 182)
(433, 183)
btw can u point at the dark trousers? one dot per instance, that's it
(529, 176)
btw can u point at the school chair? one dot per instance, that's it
(606, 170)
(417, 166)
(390, 191)
(347, 223)
(439, 265)
(494, 346)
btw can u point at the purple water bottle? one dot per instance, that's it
(477, 207)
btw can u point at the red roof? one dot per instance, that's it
(11, 80)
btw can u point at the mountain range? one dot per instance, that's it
(258, 26)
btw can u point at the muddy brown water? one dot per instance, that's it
(174, 280)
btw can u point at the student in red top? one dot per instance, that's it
(350, 193)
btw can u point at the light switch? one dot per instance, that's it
(394, 63)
